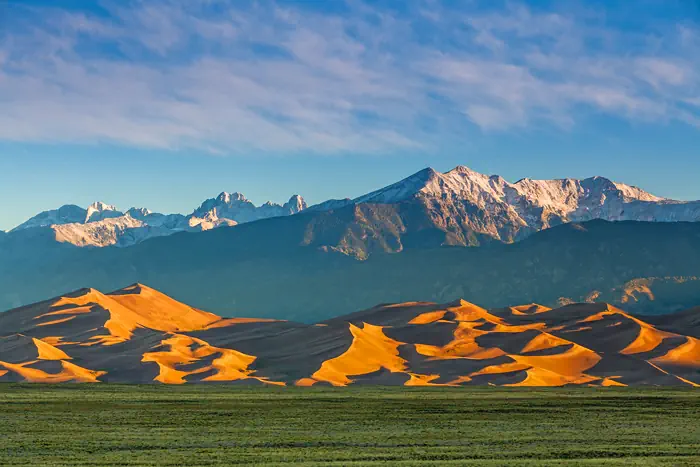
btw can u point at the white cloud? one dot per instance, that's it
(215, 76)
(659, 72)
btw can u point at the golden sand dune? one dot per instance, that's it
(134, 307)
(184, 356)
(30, 359)
(370, 351)
(224, 322)
(140, 335)
(687, 354)
(531, 309)
(67, 373)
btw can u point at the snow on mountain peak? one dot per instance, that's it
(139, 213)
(463, 169)
(632, 192)
(465, 182)
(458, 200)
(102, 224)
(98, 211)
(228, 198)
(234, 208)
(402, 190)
(100, 206)
(465, 199)
(295, 204)
(66, 214)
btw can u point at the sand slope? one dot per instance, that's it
(139, 335)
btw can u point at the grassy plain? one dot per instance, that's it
(223, 425)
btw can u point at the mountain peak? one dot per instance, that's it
(295, 204)
(98, 211)
(235, 207)
(463, 169)
(66, 214)
(402, 190)
(426, 174)
(228, 198)
(100, 206)
(139, 213)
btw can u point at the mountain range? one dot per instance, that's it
(431, 236)
(139, 335)
(101, 225)
(466, 207)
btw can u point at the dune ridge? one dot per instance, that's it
(139, 335)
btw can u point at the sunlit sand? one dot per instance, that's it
(141, 335)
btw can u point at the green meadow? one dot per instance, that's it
(227, 425)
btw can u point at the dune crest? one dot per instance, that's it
(371, 350)
(138, 334)
(35, 361)
(184, 356)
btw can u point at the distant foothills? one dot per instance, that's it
(432, 236)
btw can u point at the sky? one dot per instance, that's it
(164, 103)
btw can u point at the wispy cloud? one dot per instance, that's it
(274, 77)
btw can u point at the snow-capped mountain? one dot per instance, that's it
(235, 207)
(98, 211)
(120, 231)
(67, 214)
(463, 207)
(331, 204)
(70, 214)
(465, 200)
(103, 225)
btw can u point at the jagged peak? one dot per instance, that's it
(139, 212)
(296, 203)
(228, 198)
(98, 211)
(101, 206)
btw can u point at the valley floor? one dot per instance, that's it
(224, 425)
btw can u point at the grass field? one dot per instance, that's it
(220, 425)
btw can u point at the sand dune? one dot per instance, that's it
(138, 335)
(29, 359)
(182, 357)
(370, 351)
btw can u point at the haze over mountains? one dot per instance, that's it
(549, 242)
(138, 335)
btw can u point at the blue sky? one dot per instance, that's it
(164, 103)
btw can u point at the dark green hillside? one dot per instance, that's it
(290, 268)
